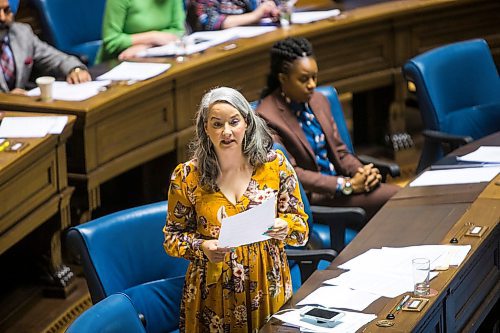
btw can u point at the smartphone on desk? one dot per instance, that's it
(321, 315)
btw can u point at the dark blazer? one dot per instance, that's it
(320, 188)
(280, 117)
(30, 53)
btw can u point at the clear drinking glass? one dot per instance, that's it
(286, 9)
(421, 277)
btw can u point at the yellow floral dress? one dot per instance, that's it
(254, 281)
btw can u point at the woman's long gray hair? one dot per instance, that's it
(257, 141)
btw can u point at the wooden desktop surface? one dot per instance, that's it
(432, 215)
(34, 187)
(362, 49)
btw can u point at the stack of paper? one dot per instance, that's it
(485, 154)
(456, 176)
(308, 17)
(31, 127)
(134, 71)
(388, 271)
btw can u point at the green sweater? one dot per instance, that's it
(123, 18)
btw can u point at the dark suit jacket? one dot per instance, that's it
(30, 53)
(280, 117)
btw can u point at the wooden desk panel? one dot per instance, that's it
(34, 191)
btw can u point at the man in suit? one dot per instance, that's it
(22, 52)
(303, 123)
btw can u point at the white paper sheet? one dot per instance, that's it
(202, 40)
(64, 91)
(340, 297)
(248, 227)
(350, 322)
(381, 283)
(308, 17)
(134, 71)
(488, 154)
(455, 176)
(31, 127)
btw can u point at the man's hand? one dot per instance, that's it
(78, 75)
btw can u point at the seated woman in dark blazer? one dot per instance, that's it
(301, 117)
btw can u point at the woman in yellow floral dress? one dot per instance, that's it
(232, 170)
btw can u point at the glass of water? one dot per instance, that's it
(421, 277)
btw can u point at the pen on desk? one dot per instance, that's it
(403, 301)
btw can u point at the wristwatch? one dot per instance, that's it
(347, 189)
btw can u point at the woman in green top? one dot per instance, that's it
(130, 26)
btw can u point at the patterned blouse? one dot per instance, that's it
(253, 282)
(211, 13)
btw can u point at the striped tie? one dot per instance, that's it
(7, 64)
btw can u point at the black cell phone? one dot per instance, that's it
(322, 315)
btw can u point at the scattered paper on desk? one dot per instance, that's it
(134, 71)
(248, 227)
(388, 271)
(308, 17)
(64, 91)
(350, 322)
(31, 127)
(379, 282)
(455, 176)
(487, 154)
(202, 40)
(340, 297)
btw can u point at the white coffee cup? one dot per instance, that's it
(45, 83)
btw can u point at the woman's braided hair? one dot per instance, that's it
(283, 53)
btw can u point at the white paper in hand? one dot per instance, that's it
(248, 227)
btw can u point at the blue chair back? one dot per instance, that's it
(458, 90)
(114, 314)
(124, 249)
(73, 27)
(159, 302)
(337, 113)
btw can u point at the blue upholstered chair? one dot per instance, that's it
(123, 252)
(328, 226)
(386, 168)
(458, 91)
(114, 314)
(73, 27)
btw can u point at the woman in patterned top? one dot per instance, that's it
(223, 14)
(232, 170)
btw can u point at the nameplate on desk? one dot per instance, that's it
(476, 231)
(415, 304)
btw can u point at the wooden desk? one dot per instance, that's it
(362, 49)
(433, 215)
(34, 189)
